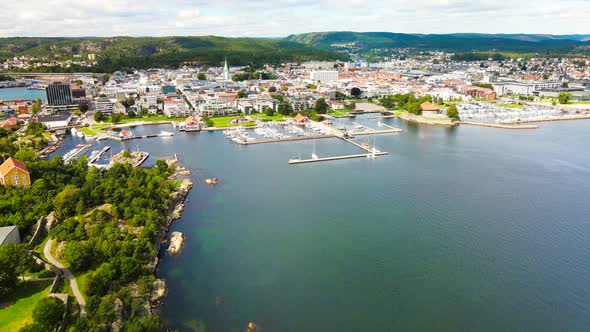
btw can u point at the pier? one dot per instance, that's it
(98, 156)
(352, 156)
(495, 125)
(290, 139)
(123, 139)
(371, 154)
(76, 152)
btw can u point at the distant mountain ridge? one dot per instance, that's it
(460, 42)
(115, 53)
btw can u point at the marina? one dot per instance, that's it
(72, 154)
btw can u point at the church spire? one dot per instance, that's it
(225, 71)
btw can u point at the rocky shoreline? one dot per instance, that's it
(177, 199)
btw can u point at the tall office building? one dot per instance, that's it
(59, 94)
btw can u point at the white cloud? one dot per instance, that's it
(283, 17)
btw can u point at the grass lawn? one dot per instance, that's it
(39, 248)
(82, 281)
(40, 274)
(510, 105)
(338, 112)
(224, 121)
(23, 301)
(87, 131)
(263, 117)
(98, 128)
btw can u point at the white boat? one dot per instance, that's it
(314, 156)
(102, 137)
(166, 133)
(371, 156)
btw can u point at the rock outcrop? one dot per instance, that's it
(176, 243)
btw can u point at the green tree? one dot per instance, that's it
(35, 128)
(14, 260)
(202, 76)
(352, 105)
(65, 202)
(564, 97)
(48, 313)
(453, 112)
(36, 108)
(285, 108)
(269, 111)
(321, 107)
(414, 108)
(78, 255)
(33, 327)
(117, 117)
(340, 96)
(98, 117)
(208, 122)
(241, 94)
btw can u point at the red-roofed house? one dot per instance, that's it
(299, 119)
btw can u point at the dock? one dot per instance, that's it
(98, 156)
(371, 153)
(352, 156)
(123, 139)
(77, 152)
(146, 156)
(500, 126)
(290, 139)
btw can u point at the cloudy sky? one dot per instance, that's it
(283, 17)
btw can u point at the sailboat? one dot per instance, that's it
(313, 155)
(374, 149)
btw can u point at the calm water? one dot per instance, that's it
(21, 93)
(472, 229)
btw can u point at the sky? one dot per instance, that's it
(277, 18)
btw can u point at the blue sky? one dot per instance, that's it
(283, 17)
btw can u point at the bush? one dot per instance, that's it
(48, 313)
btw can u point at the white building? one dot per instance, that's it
(324, 75)
(55, 121)
(105, 105)
(528, 88)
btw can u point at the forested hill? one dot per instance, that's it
(524, 43)
(114, 53)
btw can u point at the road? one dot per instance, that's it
(68, 275)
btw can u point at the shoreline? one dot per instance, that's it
(175, 209)
(429, 121)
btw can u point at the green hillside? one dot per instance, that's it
(115, 53)
(523, 43)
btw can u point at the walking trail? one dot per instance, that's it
(68, 275)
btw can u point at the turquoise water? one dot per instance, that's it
(21, 93)
(464, 229)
